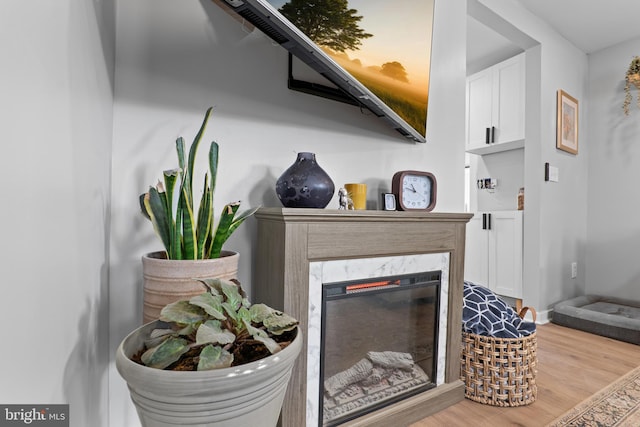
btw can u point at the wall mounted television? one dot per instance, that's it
(376, 53)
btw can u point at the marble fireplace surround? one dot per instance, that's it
(294, 243)
(322, 272)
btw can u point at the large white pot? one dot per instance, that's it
(168, 280)
(248, 395)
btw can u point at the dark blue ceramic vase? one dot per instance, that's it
(305, 184)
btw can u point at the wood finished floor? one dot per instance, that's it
(572, 365)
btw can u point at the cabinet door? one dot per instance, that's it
(505, 253)
(496, 104)
(476, 263)
(508, 95)
(479, 100)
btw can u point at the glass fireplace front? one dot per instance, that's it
(378, 343)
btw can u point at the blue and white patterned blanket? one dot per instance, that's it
(484, 313)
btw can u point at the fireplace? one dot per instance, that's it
(405, 267)
(378, 343)
(423, 276)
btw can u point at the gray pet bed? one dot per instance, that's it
(609, 317)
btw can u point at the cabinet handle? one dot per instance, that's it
(484, 221)
(493, 134)
(487, 137)
(488, 221)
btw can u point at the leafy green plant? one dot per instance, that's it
(187, 234)
(632, 76)
(216, 329)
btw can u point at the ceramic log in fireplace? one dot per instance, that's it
(302, 252)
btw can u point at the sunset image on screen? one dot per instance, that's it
(385, 45)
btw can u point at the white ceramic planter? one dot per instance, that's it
(167, 280)
(248, 395)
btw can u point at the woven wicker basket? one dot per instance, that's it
(500, 371)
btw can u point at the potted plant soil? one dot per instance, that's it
(192, 240)
(214, 360)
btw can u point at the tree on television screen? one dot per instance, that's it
(328, 23)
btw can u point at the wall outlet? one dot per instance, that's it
(574, 270)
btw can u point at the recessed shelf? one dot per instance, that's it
(497, 148)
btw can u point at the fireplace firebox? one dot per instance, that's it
(379, 342)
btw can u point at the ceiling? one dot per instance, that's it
(486, 47)
(589, 24)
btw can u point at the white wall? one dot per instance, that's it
(508, 169)
(614, 229)
(563, 204)
(588, 216)
(56, 115)
(555, 219)
(176, 58)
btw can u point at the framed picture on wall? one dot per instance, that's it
(567, 124)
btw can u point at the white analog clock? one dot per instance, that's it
(414, 190)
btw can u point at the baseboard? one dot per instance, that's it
(544, 317)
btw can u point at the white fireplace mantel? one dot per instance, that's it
(294, 243)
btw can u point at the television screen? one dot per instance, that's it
(377, 52)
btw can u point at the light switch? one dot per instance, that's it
(554, 174)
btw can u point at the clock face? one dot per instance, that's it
(415, 190)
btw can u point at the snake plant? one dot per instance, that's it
(185, 233)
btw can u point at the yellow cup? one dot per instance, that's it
(358, 193)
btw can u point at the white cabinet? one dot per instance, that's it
(493, 252)
(495, 107)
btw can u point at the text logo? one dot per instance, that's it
(34, 415)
